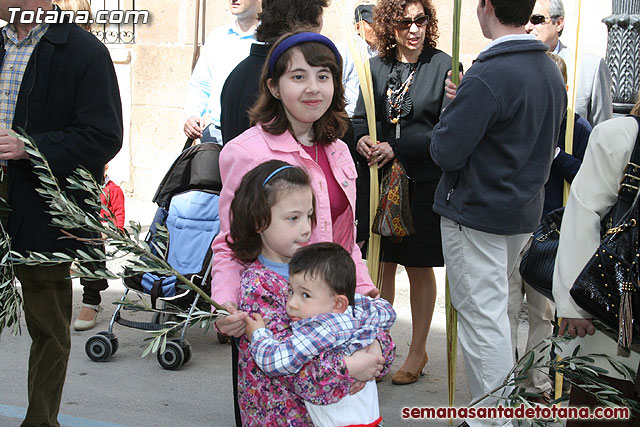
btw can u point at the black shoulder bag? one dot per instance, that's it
(607, 288)
(538, 262)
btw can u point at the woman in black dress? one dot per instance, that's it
(408, 83)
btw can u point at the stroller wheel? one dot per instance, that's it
(223, 339)
(113, 339)
(172, 357)
(186, 349)
(98, 348)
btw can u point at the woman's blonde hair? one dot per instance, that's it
(636, 109)
(76, 5)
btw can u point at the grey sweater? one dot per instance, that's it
(495, 141)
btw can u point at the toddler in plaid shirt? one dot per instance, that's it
(326, 314)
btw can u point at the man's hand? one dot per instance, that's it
(253, 322)
(193, 127)
(233, 324)
(11, 148)
(576, 327)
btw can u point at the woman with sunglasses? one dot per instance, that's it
(408, 83)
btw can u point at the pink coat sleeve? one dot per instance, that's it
(235, 162)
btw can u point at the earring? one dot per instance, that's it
(276, 95)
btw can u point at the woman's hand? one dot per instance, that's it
(373, 293)
(364, 146)
(381, 153)
(576, 327)
(450, 88)
(233, 324)
(365, 364)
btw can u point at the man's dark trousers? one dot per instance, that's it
(47, 295)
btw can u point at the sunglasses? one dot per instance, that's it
(406, 23)
(538, 19)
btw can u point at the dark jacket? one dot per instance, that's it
(240, 92)
(69, 103)
(427, 94)
(495, 141)
(565, 166)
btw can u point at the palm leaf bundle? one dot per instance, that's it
(361, 61)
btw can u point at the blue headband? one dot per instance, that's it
(281, 168)
(297, 39)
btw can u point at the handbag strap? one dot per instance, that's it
(630, 182)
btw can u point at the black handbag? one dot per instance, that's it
(607, 288)
(538, 262)
(536, 267)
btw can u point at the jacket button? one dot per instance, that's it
(345, 184)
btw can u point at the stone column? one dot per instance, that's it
(623, 53)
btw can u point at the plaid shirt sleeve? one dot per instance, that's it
(378, 313)
(309, 338)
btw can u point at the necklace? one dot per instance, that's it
(398, 100)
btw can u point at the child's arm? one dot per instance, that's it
(378, 313)
(310, 338)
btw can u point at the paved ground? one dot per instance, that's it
(130, 391)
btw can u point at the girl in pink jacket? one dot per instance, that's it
(299, 115)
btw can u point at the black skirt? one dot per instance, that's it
(424, 247)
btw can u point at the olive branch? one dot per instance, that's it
(138, 255)
(579, 370)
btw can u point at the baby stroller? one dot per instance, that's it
(187, 201)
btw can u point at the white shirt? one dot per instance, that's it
(225, 47)
(350, 78)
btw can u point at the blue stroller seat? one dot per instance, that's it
(187, 201)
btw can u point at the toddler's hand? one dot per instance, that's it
(253, 322)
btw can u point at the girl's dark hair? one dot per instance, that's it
(386, 16)
(269, 111)
(252, 202)
(329, 262)
(283, 16)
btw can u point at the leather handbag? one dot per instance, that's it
(393, 216)
(607, 288)
(537, 264)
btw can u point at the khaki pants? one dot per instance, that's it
(47, 295)
(478, 266)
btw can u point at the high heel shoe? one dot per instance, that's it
(405, 377)
(85, 325)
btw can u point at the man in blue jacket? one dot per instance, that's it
(57, 82)
(495, 143)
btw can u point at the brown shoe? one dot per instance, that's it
(405, 377)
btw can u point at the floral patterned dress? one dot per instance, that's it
(279, 401)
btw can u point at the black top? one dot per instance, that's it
(240, 92)
(427, 96)
(69, 103)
